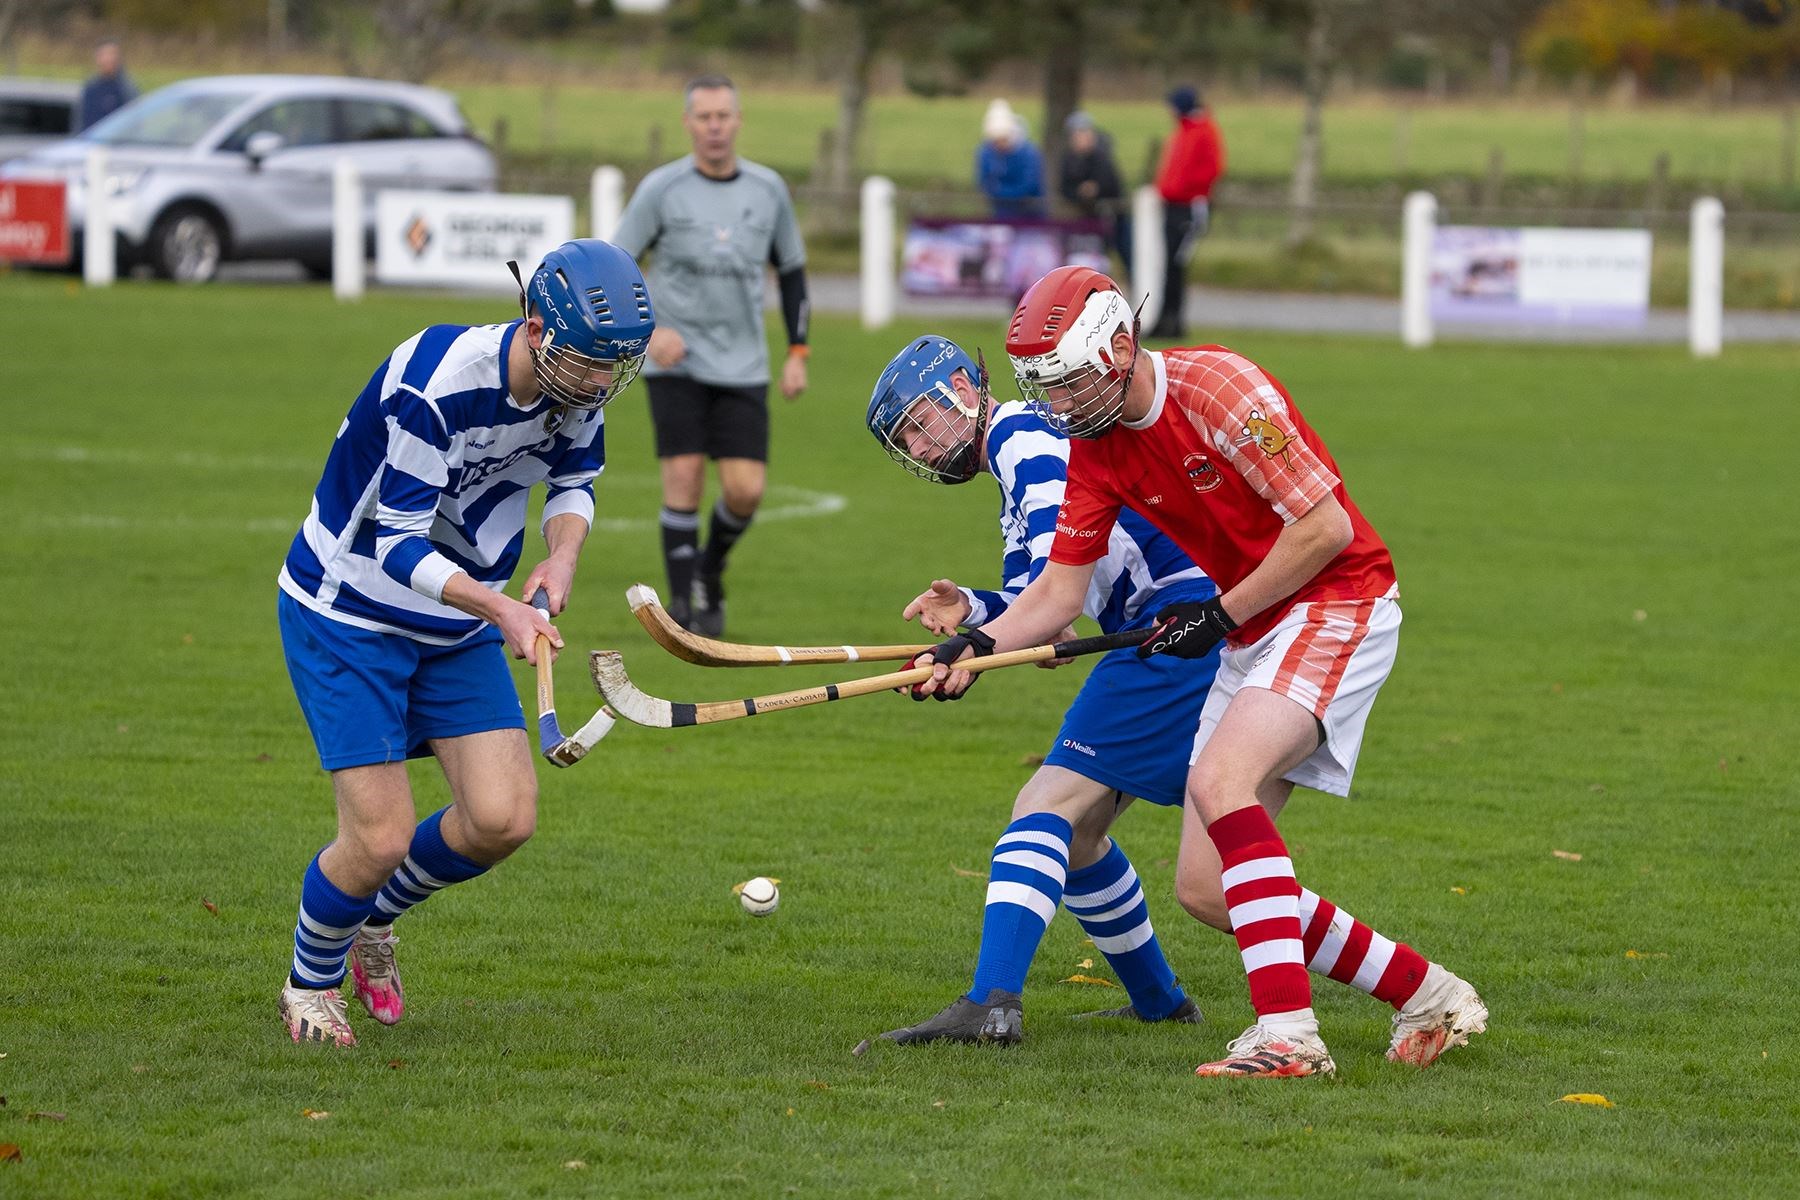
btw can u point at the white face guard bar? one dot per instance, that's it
(1078, 387)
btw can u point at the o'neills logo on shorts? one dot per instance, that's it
(1071, 531)
(1201, 473)
(1072, 744)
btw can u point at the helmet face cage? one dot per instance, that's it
(1078, 372)
(926, 438)
(582, 381)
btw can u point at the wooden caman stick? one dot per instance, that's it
(647, 607)
(637, 706)
(557, 749)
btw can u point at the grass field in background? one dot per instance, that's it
(1594, 550)
(919, 140)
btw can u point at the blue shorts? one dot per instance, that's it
(1132, 724)
(373, 697)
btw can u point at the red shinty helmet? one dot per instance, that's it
(1061, 334)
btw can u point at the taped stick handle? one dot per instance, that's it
(546, 682)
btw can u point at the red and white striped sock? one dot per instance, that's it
(1264, 903)
(1338, 945)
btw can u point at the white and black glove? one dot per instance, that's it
(951, 649)
(1188, 630)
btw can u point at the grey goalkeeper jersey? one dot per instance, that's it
(709, 241)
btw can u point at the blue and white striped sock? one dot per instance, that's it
(430, 866)
(328, 920)
(1109, 902)
(1024, 884)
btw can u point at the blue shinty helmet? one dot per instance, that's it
(597, 322)
(940, 448)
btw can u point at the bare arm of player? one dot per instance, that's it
(564, 535)
(518, 622)
(1050, 603)
(1300, 552)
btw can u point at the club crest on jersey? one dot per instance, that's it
(1268, 436)
(1201, 473)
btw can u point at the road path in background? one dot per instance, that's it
(1210, 309)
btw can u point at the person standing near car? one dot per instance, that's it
(712, 220)
(109, 90)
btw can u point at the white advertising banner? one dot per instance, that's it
(1575, 276)
(464, 239)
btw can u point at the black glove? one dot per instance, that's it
(1188, 630)
(951, 649)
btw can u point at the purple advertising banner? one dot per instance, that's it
(995, 258)
(1557, 276)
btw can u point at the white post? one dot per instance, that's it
(1147, 253)
(99, 262)
(1419, 224)
(878, 282)
(1706, 278)
(347, 260)
(606, 193)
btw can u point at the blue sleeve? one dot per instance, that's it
(569, 488)
(413, 478)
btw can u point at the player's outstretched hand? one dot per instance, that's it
(947, 683)
(1189, 629)
(520, 624)
(939, 608)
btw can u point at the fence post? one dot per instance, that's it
(347, 262)
(1419, 223)
(99, 262)
(878, 282)
(606, 193)
(1147, 253)
(1706, 278)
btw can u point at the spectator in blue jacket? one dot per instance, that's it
(1008, 167)
(110, 89)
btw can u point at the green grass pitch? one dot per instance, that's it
(1598, 561)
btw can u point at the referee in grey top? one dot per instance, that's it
(712, 220)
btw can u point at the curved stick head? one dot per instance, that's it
(608, 667)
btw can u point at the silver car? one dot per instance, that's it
(239, 167)
(35, 113)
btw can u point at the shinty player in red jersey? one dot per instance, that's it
(1209, 448)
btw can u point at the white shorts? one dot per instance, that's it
(1331, 658)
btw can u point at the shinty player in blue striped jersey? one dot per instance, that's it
(392, 613)
(1128, 733)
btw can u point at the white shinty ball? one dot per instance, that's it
(759, 896)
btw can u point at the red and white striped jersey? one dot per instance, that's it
(1222, 462)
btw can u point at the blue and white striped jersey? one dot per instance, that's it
(1031, 462)
(430, 474)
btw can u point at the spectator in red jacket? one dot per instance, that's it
(1193, 159)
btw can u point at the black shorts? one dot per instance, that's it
(713, 419)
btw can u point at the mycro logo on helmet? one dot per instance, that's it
(944, 355)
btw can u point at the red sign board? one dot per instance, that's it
(34, 222)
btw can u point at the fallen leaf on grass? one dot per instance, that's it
(968, 874)
(1085, 963)
(1461, 891)
(818, 1085)
(1032, 760)
(46, 1116)
(790, 1112)
(1638, 614)
(314, 1114)
(1644, 954)
(395, 1064)
(1566, 855)
(10, 1153)
(937, 1104)
(1723, 766)
(209, 906)
(1594, 1098)
(264, 758)
(1089, 979)
(574, 1164)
